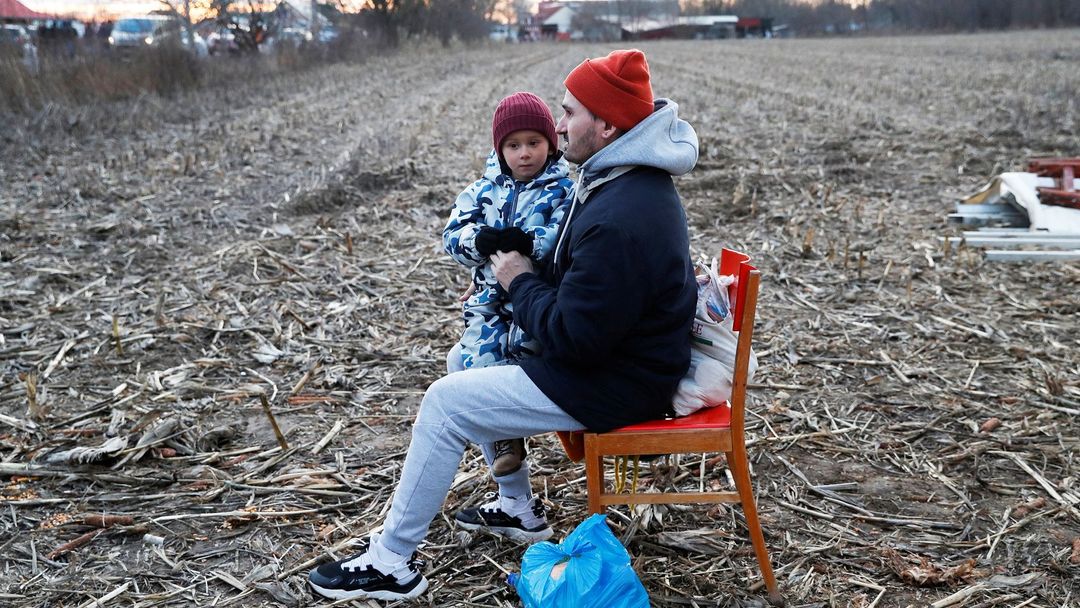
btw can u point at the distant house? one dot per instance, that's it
(689, 27)
(555, 20)
(602, 19)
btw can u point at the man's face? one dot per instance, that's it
(581, 130)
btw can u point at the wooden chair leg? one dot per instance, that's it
(740, 471)
(594, 474)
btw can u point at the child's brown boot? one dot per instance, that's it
(508, 456)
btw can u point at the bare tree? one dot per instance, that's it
(245, 20)
(181, 9)
(389, 20)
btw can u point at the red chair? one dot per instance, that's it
(716, 429)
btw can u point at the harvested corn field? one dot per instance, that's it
(170, 270)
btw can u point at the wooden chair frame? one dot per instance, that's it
(710, 430)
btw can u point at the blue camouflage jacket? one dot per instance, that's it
(497, 200)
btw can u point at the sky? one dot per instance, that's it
(91, 8)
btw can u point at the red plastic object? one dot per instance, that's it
(1064, 171)
(732, 263)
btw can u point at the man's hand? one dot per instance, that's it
(509, 265)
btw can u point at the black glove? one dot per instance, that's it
(487, 240)
(515, 239)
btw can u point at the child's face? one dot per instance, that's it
(525, 152)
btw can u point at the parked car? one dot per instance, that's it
(290, 36)
(297, 37)
(15, 39)
(327, 34)
(221, 41)
(132, 33)
(141, 32)
(502, 33)
(198, 44)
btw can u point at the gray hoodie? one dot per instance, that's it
(662, 140)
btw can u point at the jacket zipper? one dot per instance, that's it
(563, 229)
(510, 208)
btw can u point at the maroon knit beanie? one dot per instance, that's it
(520, 111)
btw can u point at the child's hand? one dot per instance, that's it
(468, 293)
(516, 239)
(487, 240)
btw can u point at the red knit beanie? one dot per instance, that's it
(520, 111)
(615, 88)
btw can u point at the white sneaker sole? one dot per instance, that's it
(515, 534)
(359, 594)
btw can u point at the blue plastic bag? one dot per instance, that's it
(590, 568)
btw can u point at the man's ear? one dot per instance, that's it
(609, 132)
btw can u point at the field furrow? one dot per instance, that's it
(166, 262)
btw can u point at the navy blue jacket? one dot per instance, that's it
(613, 311)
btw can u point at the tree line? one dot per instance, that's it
(839, 16)
(391, 20)
(388, 22)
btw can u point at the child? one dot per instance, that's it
(515, 206)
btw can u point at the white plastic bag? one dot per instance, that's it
(713, 344)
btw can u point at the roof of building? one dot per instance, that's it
(13, 9)
(545, 12)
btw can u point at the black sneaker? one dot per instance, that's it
(355, 578)
(491, 518)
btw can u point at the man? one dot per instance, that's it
(612, 309)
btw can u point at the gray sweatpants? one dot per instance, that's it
(478, 405)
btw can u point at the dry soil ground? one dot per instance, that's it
(163, 263)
